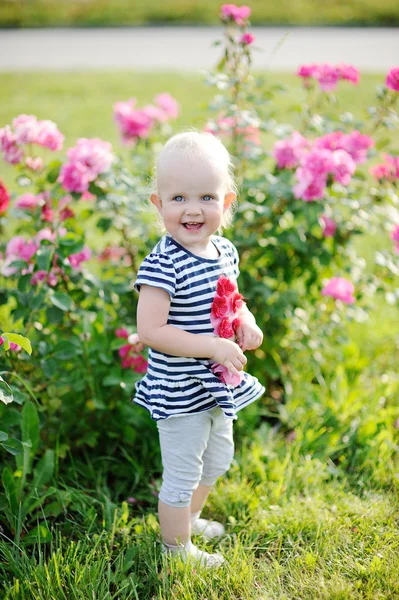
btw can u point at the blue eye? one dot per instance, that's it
(207, 197)
(178, 198)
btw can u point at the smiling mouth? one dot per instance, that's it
(192, 226)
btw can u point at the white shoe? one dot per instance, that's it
(189, 553)
(209, 529)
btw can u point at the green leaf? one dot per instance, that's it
(44, 470)
(54, 314)
(61, 301)
(22, 341)
(65, 350)
(13, 446)
(54, 172)
(5, 392)
(43, 256)
(8, 482)
(30, 425)
(3, 436)
(38, 534)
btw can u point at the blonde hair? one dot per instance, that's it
(195, 145)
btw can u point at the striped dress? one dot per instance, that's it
(175, 385)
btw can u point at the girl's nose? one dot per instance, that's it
(193, 209)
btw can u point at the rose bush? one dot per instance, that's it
(73, 239)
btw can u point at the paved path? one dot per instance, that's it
(183, 48)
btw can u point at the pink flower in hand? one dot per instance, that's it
(220, 307)
(225, 286)
(226, 376)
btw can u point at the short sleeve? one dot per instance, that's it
(157, 270)
(236, 260)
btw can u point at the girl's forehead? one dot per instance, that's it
(190, 172)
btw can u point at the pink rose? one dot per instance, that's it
(93, 154)
(13, 347)
(219, 307)
(392, 80)
(122, 332)
(309, 186)
(27, 201)
(225, 286)
(330, 226)
(226, 328)
(289, 152)
(226, 377)
(49, 136)
(340, 289)
(168, 105)
(349, 72)
(26, 128)
(34, 164)
(395, 238)
(247, 39)
(318, 162)
(357, 144)
(75, 177)
(75, 260)
(4, 198)
(239, 14)
(381, 172)
(133, 123)
(344, 166)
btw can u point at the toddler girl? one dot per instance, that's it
(193, 408)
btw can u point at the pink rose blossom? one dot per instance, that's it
(168, 104)
(21, 249)
(392, 80)
(34, 164)
(75, 260)
(74, 177)
(25, 129)
(45, 234)
(49, 136)
(309, 186)
(340, 289)
(395, 238)
(122, 332)
(239, 14)
(328, 75)
(226, 377)
(357, 144)
(8, 144)
(349, 72)
(393, 162)
(38, 277)
(247, 39)
(344, 166)
(27, 201)
(133, 123)
(289, 152)
(13, 347)
(4, 198)
(381, 172)
(93, 154)
(330, 226)
(319, 162)
(307, 71)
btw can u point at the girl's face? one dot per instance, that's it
(192, 199)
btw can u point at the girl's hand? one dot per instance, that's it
(249, 336)
(228, 354)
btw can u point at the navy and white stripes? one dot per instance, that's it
(177, 385)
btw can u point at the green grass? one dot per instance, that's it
(302, 523)
(44, 13)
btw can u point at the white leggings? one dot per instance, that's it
(195, 449)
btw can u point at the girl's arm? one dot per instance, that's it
(153, 330)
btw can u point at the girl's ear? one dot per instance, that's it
(229, 199)
(156, 200)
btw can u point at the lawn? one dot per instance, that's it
(43, 13)
(310, 504)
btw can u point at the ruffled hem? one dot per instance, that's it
(170, 397)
